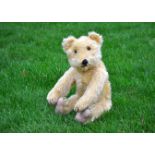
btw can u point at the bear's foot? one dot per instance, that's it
(59, 106)
(83, 117)
(62, 106)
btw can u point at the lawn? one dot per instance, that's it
(32, 60)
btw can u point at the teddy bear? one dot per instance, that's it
(89, 74)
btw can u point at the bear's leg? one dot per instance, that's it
(99, 108)
(94, 111)
(65, 106)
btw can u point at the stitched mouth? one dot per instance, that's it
(83, 66)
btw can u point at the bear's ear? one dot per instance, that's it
(67, 42)
(96, 37)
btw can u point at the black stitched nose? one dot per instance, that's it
(85, 62)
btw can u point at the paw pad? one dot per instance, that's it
(60, 101)
(82, 117)
(59, 106)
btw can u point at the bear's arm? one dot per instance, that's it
(93, 91)
(63, 86)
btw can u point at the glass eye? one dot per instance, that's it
(88, 48)
(75, 51)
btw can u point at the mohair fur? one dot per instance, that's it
(93, 89)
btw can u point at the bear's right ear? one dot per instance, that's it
(67, 42)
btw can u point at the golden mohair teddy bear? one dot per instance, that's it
(88, 72)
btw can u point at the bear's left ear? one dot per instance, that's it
(67, 42)
(96, 37)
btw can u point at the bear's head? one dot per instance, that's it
(84, 52)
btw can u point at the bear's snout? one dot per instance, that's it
(85, 62)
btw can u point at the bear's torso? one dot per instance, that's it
(83, 79)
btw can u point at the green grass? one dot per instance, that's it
(32, 60)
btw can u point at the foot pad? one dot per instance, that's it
(83, 116)
(59, 106)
